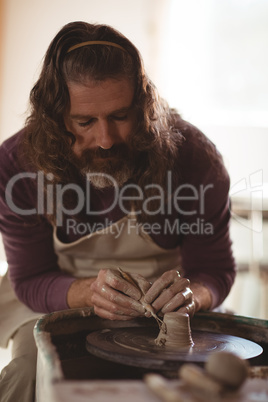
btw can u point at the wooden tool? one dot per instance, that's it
(147, 307)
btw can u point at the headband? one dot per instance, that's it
(96, 42)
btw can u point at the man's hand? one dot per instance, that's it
(115, 298)
(79, 293)
(171, 292)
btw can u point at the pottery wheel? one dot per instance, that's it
(136, 347)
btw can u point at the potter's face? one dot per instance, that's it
(102, 118)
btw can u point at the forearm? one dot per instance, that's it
(55, 291)
(79, 293)
(46, 292)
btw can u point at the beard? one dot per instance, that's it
(107, 167)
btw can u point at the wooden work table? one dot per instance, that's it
(67, 372)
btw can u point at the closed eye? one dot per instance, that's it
(90, 121)
(120, 118)
(86, 123)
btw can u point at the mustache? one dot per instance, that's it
(116, 151)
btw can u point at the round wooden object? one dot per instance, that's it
(227, 368)
(136, 347)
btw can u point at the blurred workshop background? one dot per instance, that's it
(209, 59)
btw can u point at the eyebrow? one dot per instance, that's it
(88, 116)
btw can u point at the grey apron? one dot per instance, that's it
(124, 244)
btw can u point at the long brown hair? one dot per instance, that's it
(47, 143)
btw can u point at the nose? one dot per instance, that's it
(104, 135)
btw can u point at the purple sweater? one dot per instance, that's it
(206, 256)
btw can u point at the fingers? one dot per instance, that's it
(112, 310)
(103, 313)
(176, 290)
(115, 280)
(143, 284)
(189, 309)
(165, 280)
(105, 296)
(170, 293)
(180, 299)
(115, 298)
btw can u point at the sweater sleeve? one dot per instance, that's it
(207, 257)
(32, 263)
(207, 248)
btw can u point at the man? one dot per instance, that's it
(106, 175)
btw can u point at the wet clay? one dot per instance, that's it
(176, 333)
